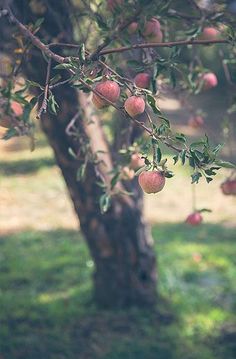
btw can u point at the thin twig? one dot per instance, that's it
(43, 107)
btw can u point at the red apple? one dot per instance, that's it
(132, 28)
(210, 33)
(142, 80)
(134, 105)
(151, 181)
(109, 89)
(152, 30)
(194, 219)
(16, 108)
(229, 187)
(209, 80)
(196, 121)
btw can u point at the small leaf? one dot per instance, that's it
(180, 137)
(72, 153)
(11, 132)
(104, 202)
(225, 164)
(204, 210)
(176, 158)
(115, 179)
(158, 155)
(196, 176)
(182, 155)
(81, 53)
(52, 104)
(169, 174)
(81, 172)
(152, 102)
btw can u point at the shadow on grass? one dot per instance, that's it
(24, 166)
(47, 310)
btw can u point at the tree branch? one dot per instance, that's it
(164, 44)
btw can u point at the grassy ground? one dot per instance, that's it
(46, 308)
(46, 311)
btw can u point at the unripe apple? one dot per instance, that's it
(151, 181)
(210, 33)
(134, 105)
(194, 219)
(229, 187)
(152, 30)
(109, 89)
(209, 80)
(112, 5)
(196, 121)
(142, 80)
(136, 161)
(132, 28)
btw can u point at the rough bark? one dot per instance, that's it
(119, 241)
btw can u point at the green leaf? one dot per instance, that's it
(105, 202)
(204, 210)
(176, 158)
(196, 176)
(169, 174)
(182, 155)
(81, 53)
(218, 148)
(225, 164)
(72, 153)
(152, 102)
(54, 79)
(158, 155)
(38, 22)
(80, 175)
(173, 77)
(180, 137)
(11, 132)
(26, 112)
(115, 179)
(101, 23)
(192, 162)
(64, 66)
(34, 84)
(52, 104)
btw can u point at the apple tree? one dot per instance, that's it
(94, 71)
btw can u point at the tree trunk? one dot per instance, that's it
(119, 240)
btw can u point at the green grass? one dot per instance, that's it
(47, 310)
